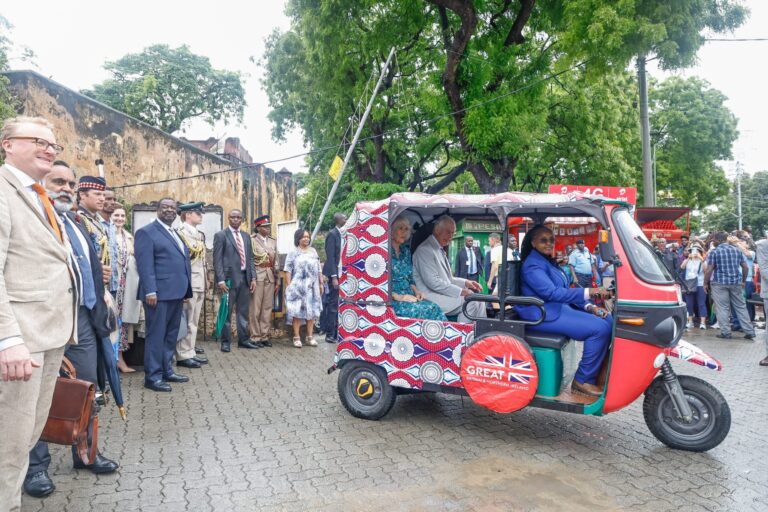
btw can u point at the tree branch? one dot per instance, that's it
(447, 180)
(515, 35)
(499, 14)
(466, 12)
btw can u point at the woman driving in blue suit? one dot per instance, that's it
(568, 310)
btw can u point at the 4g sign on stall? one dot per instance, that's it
(628, 194)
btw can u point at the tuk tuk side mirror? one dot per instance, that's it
(606, 247)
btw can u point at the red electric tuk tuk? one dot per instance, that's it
(502, 362)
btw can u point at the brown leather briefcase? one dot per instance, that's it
(71, 411)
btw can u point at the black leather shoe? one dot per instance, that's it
(157, 385)
(199, 351)
(188, 363)
(100, 466)
(175, 377)
(266, 343)
(200, 360)
(723, 336)
(247, 344)
(330, 340)
(749, 336)
(225, 346)
(38, 484)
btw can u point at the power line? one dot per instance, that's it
(390, 132)
(736, 39)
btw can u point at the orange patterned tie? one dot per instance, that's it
(48, 207)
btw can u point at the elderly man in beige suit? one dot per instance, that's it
(38, 297)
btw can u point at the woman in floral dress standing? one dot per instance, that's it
(304, 287)
(128, 308)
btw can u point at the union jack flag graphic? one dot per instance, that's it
(519, 371)
(495, 361)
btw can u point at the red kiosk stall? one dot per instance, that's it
(661, 222)
(569, 229)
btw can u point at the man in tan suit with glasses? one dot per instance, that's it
(38, 297)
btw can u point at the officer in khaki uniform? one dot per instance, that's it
(264, 258)
(192, 216)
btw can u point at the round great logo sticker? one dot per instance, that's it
(500, 373)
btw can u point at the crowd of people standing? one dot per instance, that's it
(73, 280)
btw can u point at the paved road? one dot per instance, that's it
(264, 430)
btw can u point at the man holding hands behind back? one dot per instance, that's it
(38, 297)
(233, 264)
(164, 282)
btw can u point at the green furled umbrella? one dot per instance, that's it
(221, 318)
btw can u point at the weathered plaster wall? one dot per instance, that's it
(134, 153)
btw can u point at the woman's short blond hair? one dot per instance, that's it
(402, 220)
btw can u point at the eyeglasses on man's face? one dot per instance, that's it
(41, 144)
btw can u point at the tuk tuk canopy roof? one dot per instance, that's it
(519, 204)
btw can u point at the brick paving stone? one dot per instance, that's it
(264, 430)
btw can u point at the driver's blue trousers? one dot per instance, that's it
(593, 330)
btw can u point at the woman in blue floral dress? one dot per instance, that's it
(407, 300)
(304, 287)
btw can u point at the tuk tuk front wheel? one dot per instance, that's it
(710, 422)
(364, 390)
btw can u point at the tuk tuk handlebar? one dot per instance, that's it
(510, 300)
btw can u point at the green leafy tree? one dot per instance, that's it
(316, 187)
(695, 130)
(166, 86)
(754, 194)
(515, 94)
(7, 103)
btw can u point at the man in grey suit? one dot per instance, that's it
(761, 257)
(432, 273)
(233, 263)
(38, 297)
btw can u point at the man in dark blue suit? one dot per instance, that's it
(164, 282)
(331, 271)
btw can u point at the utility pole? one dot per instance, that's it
(739, 171)
(354, 142)
(649, 191)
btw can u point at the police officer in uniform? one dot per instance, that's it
(187, 355)
(265, 261)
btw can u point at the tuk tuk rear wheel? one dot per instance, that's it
(364, 390)
(711, 415)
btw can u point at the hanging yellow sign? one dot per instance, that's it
(335, 169)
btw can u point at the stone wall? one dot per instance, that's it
(136, 153)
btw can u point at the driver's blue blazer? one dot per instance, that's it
(540, 278)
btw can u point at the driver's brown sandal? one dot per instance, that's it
(586, 389)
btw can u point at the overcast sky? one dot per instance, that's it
(73, 39)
